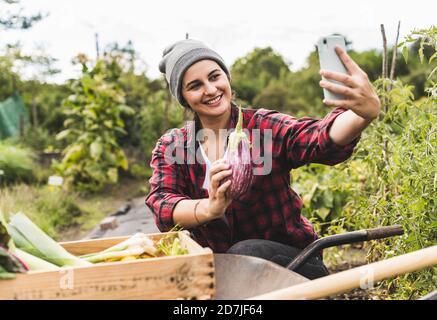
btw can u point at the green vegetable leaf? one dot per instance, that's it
(96, 149)
(405, 53)
(323, 213)
(63, 134)
(5, 238)
(112, 175)
(122, 161)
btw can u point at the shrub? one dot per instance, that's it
(391, 179)
(52, 209)
(16, 164)
(93, 156)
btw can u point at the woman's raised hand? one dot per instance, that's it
(218, 201)
(361, 98)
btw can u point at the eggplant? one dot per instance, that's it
(239, 158)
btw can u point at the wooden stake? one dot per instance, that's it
(394, 56)
(384, 54)
(97, 45)
(364, 277)
(384, 72)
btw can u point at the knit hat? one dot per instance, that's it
(178, 57)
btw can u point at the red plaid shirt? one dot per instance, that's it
(271, 208)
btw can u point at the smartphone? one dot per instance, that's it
(329, 60)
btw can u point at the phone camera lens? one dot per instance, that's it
(324, 41)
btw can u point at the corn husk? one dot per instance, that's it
(31, 239)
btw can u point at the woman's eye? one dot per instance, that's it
(214, 77)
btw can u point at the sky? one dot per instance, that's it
(231, 27)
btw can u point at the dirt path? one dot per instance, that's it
(138, 219)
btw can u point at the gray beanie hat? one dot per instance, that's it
(178, 57)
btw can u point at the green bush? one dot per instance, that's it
(40, 139)
(326, 190)
(156, 118)
(17, 164)
(391, 179)
(93, 157)
(52, 209)
(373, 189)
(141, 171)
(401, 189)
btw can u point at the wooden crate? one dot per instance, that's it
(186, 276)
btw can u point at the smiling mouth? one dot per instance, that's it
(214, 100)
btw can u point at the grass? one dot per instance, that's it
(346, 257)
(102, 204)
(66, 215)
(16, 163)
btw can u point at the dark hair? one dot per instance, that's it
(187, 106)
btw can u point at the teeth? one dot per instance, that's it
(214, 100)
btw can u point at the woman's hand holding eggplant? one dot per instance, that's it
(218, 200)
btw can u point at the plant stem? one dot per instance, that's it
(394, 56)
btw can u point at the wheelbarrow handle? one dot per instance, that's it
(364, 276)
(384, 232)
(344, 238)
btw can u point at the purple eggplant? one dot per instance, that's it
(239, 158)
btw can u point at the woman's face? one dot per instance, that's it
(206, 89)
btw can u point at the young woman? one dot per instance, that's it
(266, 222)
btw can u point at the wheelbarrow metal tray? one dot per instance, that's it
(185, 276)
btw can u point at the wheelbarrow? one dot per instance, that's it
(243, 277)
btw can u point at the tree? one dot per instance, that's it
(303, 86)
(279, 97)
(136, 86)
(93, 156)
(253, 72)
(15, 19)
(42, 66)
(8, 78)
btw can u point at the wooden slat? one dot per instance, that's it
(185, 276)
(82, 247)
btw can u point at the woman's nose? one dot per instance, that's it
(210, 88)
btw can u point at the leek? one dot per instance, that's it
(115, 255)
(136, 245)
(9, 263)
(31, 239)
(34, 263)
